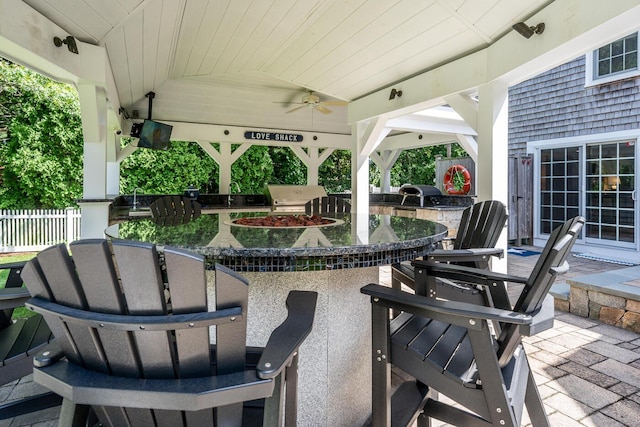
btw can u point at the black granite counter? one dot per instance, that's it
(354, 241)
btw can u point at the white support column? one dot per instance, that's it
(367, 134)
(94, 205)
(492, 171)
(224, 158)
(385, 161)
(312, 159)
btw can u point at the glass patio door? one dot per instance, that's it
(610, 194)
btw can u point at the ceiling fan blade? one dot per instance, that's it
(297, 108)
(322, 108)
(336, 103)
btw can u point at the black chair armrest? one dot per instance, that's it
(87, 387)
(285, 340)
(466, 274)
(10, 265)
(461, 255)
(48, 355)
(459, 313)
(13, 297)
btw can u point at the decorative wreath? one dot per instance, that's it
(457, 180)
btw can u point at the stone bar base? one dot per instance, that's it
(335, 361)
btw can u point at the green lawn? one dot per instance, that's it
(19, 312)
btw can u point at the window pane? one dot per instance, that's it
(627, 149)
(610, 151)
(593, 167)
(572, 212)
(545, 184)
(626, 235)
(558, 154)
(545, 170)
(626, 166)
(593, 152)
(593, 184)
(609, 167)
(573, 154)
(558, 169)
(572, 184)
(545, 213)
(545, 155)
(593, 230)
(558, 214)
(617, 47)
(625, 218)
(631, 61)
(558, 184)
(573, 169)
(604, 52)
(609, 200)
(631, 43)
(626, 183)
(617, 64)
(558, 199)
(546, 198)
(608, 233)
(608, 216)
(593, 215)
(625, 200)
(545, 227)
(572, 199)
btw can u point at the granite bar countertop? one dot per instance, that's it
(353, 241)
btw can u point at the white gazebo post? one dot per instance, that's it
(385, 160)
(312, 159)
(94, 204)
(492, 170)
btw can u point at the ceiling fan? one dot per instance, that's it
(313, 101)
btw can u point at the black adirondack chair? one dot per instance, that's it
(474, 245)
(133, 327)
(327, 205)
(174, 210)
(20, 340)
(449, 348)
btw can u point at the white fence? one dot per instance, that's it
(34, 230)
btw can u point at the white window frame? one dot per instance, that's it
(590, 67)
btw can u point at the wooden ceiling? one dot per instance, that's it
(247, 63)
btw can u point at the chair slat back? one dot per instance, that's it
(553, 256)
(481, 225)
(131, 278)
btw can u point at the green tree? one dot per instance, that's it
(41, 149)
(168, 172)
(287, 167)
(253, 170)
(416, 166)
(335, 173)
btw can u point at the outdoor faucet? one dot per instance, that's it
(231, 185)
(135, 198)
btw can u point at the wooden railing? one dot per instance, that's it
(34, 230)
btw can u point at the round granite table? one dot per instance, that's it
(336, 261)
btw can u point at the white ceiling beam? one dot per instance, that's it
(414, 140)
(469, 144)
(573, 27)
(419, 123)
(235, 134)
(466, 107)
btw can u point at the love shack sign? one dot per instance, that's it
(272, 136)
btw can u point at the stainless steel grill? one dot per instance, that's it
(292, 198)
(420, 191)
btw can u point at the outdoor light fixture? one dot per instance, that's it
(527, 31)
(395, 93)
(69, 41)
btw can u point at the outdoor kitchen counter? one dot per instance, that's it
(334, 385)
(353, 241)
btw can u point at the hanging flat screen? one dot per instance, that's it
(155, 135)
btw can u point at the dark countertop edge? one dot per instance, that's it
(313, 252)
